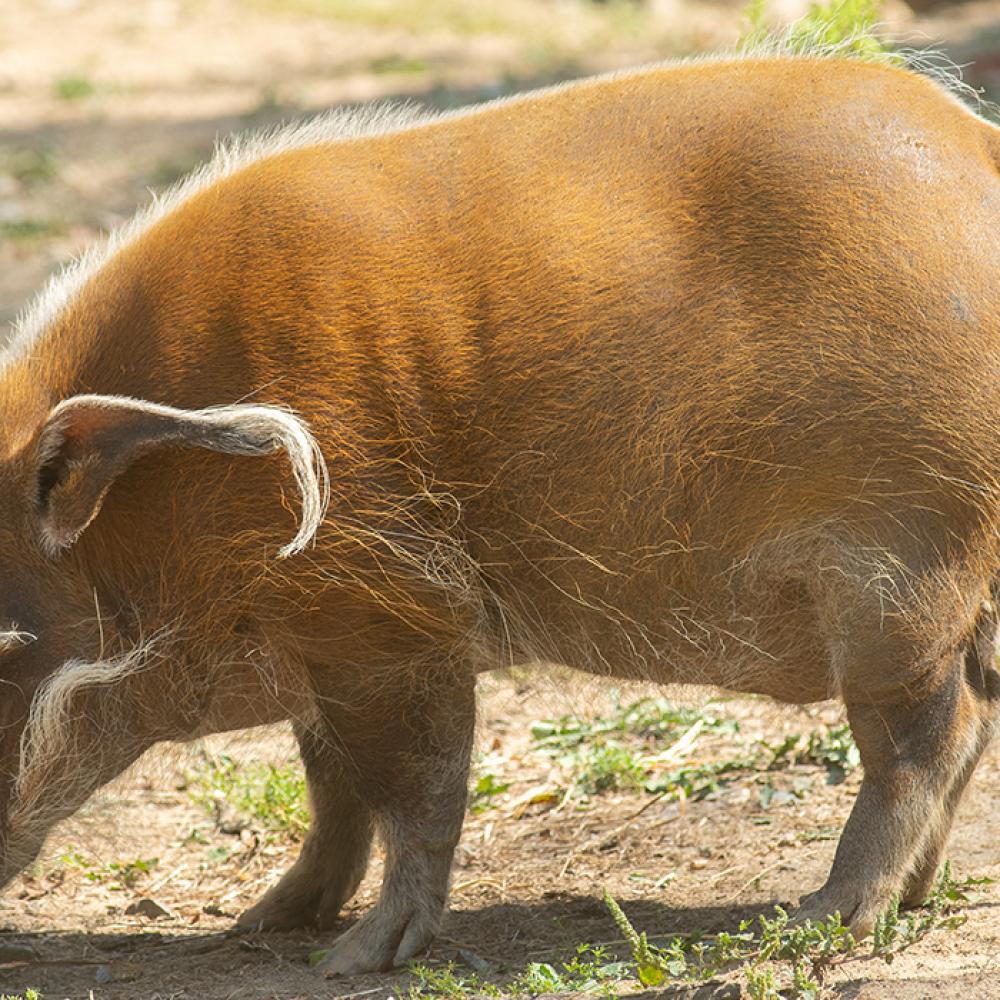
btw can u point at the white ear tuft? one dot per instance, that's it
(89, 440)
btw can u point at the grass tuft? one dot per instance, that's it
(267, 795)
(849, 26)
(74, 88)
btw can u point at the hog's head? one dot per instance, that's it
(63, 664)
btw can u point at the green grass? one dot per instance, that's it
(73, 88)
(28, 229)
(267, 795)
(633, 748)
(32, 166)
(645, 747)
(459, 16)
(847, 25)
(396, 63)
(617, 751)
(767, 959)
(116, 875)
(648, 719)
(544, 35)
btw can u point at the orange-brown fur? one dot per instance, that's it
(690, 374)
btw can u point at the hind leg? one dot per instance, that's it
(916, 754)
(920, 881)
(983, 682)
(335, 852)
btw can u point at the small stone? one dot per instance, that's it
(476, 962)
(103, 975)
(147, 907)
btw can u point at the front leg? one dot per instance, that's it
(335, 852)
(411, 752)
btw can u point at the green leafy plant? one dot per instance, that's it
(848, 26)
(273, 797)
(781, 960)
(833, 749)
(650, 719)
(622, 749)
(116, 875)
(589, 972)
(633, 748)
(485, 789)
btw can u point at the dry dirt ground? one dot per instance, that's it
(100, 101)
(528, 878)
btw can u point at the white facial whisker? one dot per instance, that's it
(13, 638)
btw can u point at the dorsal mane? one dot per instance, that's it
(383, 118)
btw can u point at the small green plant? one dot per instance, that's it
(634, 747)
(781, 960)
(845, 25)
(447, 982)
(696, 781)
(486, 788)
(650, 719)
(833, 749)
(622, 749)
(610, 765)
(895, 931)
(29, 994)
(272, 796)
(74, 88)
(590, 972)
(116, 875)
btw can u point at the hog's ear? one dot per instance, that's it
(88, 441)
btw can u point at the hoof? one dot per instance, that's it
(858, 911)
(377, 942)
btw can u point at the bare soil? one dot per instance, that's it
(100, 101)
(528, 877)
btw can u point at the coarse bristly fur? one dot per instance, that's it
(345, 124)
(687, 373)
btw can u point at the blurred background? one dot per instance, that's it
(102, 101)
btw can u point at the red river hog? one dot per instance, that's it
(688, 374)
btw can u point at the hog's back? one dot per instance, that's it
(639, 368)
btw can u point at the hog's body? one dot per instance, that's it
(690, 374)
